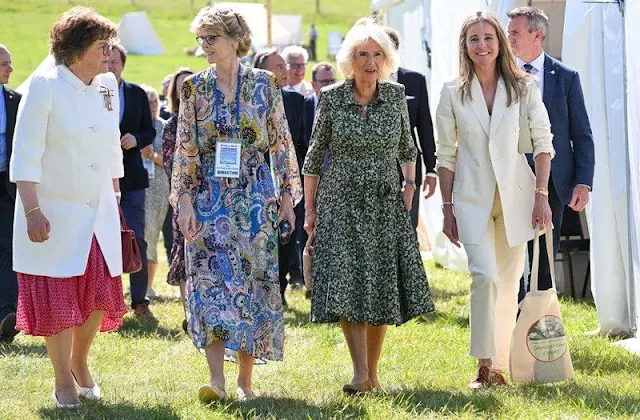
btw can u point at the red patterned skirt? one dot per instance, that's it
(48, 305)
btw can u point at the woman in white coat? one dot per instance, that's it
(491, 199)
(67, 162)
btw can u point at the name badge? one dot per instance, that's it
(228, 160)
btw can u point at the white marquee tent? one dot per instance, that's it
(285, 29)
(137, 35)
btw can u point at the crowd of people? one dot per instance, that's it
(225, 158)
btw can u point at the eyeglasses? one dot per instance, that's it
(296, 66)
(106, 48)
(209, 39)
(326, 81)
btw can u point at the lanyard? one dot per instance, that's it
(236, 128)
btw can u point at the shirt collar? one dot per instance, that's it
(537, 63)
(383, 92)
(74, 81)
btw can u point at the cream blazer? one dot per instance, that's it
(482, 151)
(68, 143)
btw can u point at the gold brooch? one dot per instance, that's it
(107, 95)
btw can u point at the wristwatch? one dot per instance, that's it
(411, 182)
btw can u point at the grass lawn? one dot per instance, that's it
(151, 372)
(26, 23)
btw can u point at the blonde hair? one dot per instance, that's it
(151, 95)
(364, 30)
(506, 63)
(222, 19)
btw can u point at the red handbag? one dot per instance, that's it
(131, 261)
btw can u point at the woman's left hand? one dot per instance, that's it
(286, 211)
(541, 212)
(407, 195)
(147, 152)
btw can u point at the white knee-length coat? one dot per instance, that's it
(68, 143)
(482, 150)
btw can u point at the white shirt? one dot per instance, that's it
(303, 88)
(537, 71)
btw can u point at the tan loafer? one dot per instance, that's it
(481, 381)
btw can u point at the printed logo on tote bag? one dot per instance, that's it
(546, 339)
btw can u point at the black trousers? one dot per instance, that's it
(544, 277)
(8, 278)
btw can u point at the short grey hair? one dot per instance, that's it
(295, 50)
(364, 30)
(536, 19)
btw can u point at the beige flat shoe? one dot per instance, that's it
(357, 389)
(247, 395)
(208, 394)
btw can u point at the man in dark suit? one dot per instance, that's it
(572, 168)
(9, 100)
(415, 88)
(137, 132)
(271, 60)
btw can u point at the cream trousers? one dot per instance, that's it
(495, 280)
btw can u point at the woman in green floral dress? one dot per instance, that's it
(368, 272)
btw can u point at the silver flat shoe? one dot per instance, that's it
(61, 405)
(93, 394)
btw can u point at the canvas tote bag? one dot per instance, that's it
(539, 347)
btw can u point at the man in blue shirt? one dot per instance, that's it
(9, 100)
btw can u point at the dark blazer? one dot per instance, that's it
(309, 116)
(572, 139)
(11, 101)
(294, 110)
(136, 121)
(415, 88)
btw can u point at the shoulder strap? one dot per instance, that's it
(535, 267)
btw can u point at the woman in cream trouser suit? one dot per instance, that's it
(491, 199)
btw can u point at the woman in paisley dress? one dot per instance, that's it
(230, 223)
(368, 272)
(175, 275)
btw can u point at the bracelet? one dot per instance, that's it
(447, 203)
(309, 212)
(541, 190)
(31, 211)
(118, 193)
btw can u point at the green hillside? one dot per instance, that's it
(26, 23)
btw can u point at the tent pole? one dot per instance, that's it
(631, 230)
(269, 39)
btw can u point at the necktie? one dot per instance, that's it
(528, 68)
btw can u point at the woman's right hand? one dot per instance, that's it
(38, 226)
(187, 221)
(310, 221)
(450, 226)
